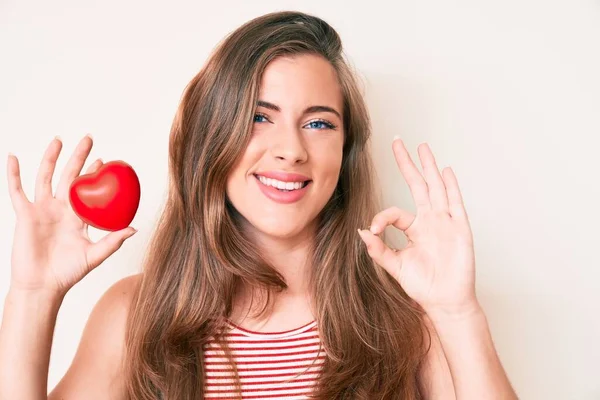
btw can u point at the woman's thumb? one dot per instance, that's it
(101, 250)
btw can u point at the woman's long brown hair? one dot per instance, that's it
(198, 256)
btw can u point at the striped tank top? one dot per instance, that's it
(271, 365)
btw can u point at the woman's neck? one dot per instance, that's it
(291, 258)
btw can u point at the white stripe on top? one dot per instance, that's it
(268, 363)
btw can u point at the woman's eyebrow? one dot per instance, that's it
(311, 109)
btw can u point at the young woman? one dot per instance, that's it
(258, 282)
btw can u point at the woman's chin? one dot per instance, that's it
(279, 233)
(281, 230)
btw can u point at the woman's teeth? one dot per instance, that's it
(279, 184)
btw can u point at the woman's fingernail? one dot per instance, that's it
(373, 228)
(57, 137)
(396, 137)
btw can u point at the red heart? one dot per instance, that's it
(108, 198)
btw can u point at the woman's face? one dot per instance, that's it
(296, 144)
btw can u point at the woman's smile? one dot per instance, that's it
(288, 190)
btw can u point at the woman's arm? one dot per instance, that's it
(473, 363)
(96, 371)
(462, 362)
(435, 379)
(26, 339)
(25, 342)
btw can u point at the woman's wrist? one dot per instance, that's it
(39, 297)
(458, 314)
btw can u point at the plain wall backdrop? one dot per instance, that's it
(507, 93)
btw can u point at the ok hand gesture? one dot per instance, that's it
(437, 266)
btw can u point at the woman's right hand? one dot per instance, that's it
(51, 248)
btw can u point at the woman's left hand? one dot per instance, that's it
(437, 266)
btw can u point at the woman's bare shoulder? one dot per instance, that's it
(96, 371)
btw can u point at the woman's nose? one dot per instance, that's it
(289, 146)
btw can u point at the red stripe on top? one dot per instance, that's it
(271, 365)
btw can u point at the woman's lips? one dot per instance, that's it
(279, 196)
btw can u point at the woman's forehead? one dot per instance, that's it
(299, 81)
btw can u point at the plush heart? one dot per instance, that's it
(108, 198)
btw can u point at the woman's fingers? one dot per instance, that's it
(43, 181)
(414, 179)
(435, 183)
(73, 167)
(101, 250)
(15, 188)
(395, 216)
(94, 166)
(381, 253)
(456, 204)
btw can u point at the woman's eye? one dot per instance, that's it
(317, 124)
(259, 118)
(320, 125)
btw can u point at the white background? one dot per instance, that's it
(506, 92)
